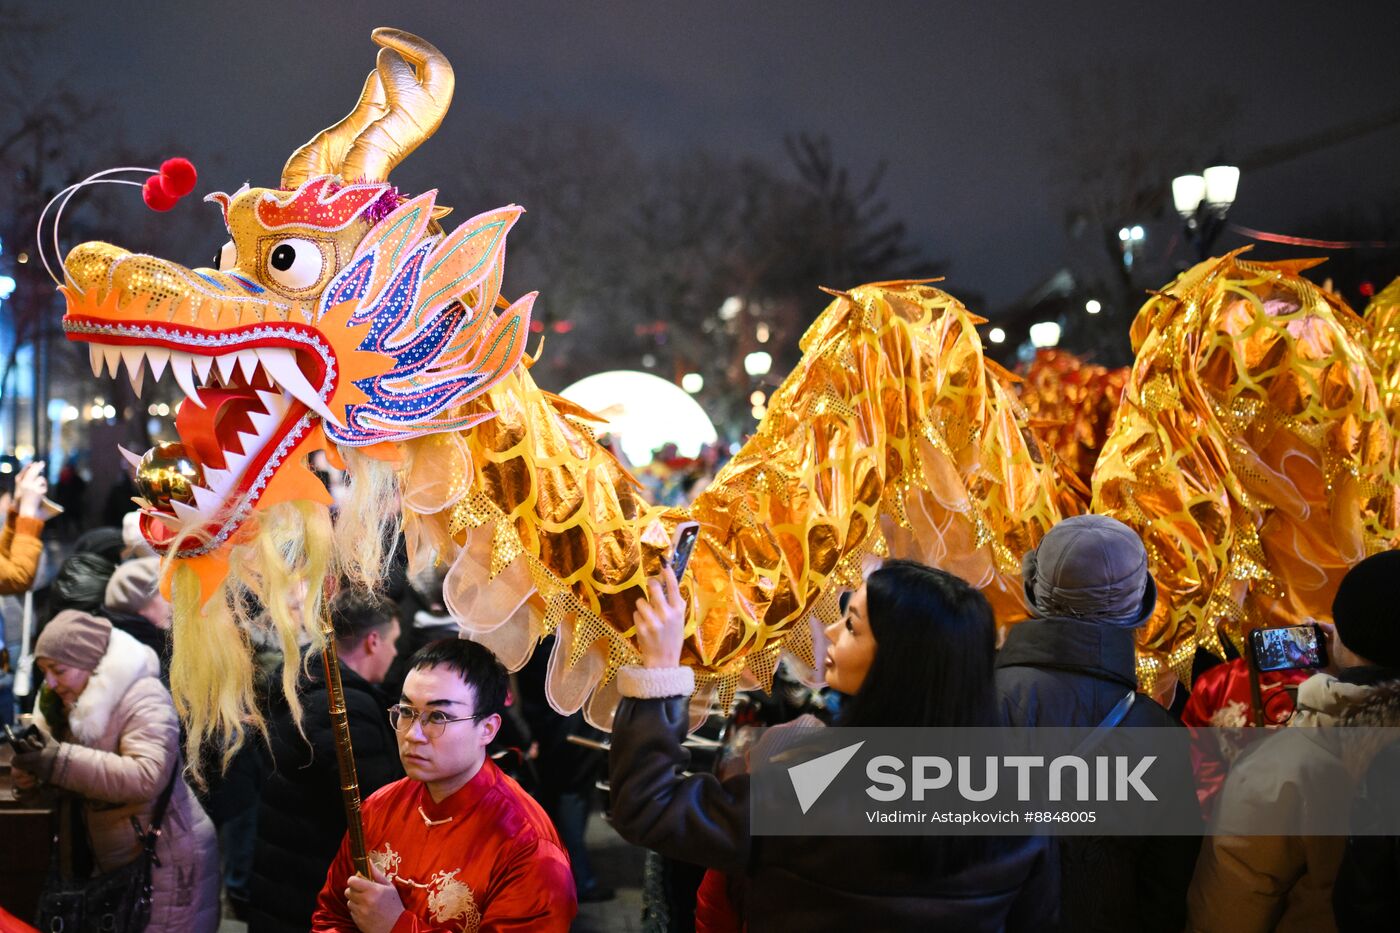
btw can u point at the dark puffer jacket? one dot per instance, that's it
(802, 883)
(1070, 672)
(300, 819)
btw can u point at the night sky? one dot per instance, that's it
(959, 98)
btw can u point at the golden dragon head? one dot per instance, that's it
(337, 312)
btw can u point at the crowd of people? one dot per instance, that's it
(475, 801)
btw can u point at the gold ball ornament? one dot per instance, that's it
(167, 474)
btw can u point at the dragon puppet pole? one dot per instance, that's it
(344, 752)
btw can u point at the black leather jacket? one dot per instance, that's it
(806, 883)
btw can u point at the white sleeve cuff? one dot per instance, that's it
(650, 683)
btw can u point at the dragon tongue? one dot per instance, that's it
(199, 427)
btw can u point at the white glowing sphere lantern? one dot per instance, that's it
(644, 412)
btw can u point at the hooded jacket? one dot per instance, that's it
(1072, 672)
(1285, 883)
(119, 749)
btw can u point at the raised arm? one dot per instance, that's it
(694, 818)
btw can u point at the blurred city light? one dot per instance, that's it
(692, 382)
(1092, 306)
(996, 335)
(758, 363)
(7, 287)
(762, 333)
(1045, 334)
(731, 308)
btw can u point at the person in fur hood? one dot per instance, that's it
(112, 748)
(1285, 883)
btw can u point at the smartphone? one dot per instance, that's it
(1287, 649)
(28, 739)
(683, 543)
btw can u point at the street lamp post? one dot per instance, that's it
(1203, 201)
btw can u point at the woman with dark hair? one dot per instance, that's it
(937, 641)
(915, 647)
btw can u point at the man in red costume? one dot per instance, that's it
(457, 845)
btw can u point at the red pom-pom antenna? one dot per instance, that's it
(155, 195)
(178, 177)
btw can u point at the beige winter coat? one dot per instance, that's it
(1245, 884)
(123, 747)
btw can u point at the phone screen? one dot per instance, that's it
(1286, 649)
(685, 543)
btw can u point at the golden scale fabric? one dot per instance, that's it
(1071, 404)
(892, 435)
(1251, 452)
(1383, 321)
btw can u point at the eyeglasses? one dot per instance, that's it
(402, 717)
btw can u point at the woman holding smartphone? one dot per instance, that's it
(914, 648)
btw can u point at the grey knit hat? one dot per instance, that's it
(133, 585)
(1090, 567)
(74, 639)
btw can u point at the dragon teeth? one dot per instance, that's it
(248, 361)
(135, 371)
(182, 365)
(218, 480)
(169, 521)
(202, 365)
(113, 358)
(281, 365)
(226, 362)
(158, 357)
(131, 458)
(208, 500)
(95, 358)
(186, 514)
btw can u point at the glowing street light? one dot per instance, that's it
(1092, 306)
(692, 382)
(996, 335)
(1203, 201)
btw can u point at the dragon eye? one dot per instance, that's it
(295, 264)
(227, 257)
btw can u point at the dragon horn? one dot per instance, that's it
(417, 84)
(324, 153)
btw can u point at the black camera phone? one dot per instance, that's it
(28, 739)
(1289, 648)
(687, 533)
